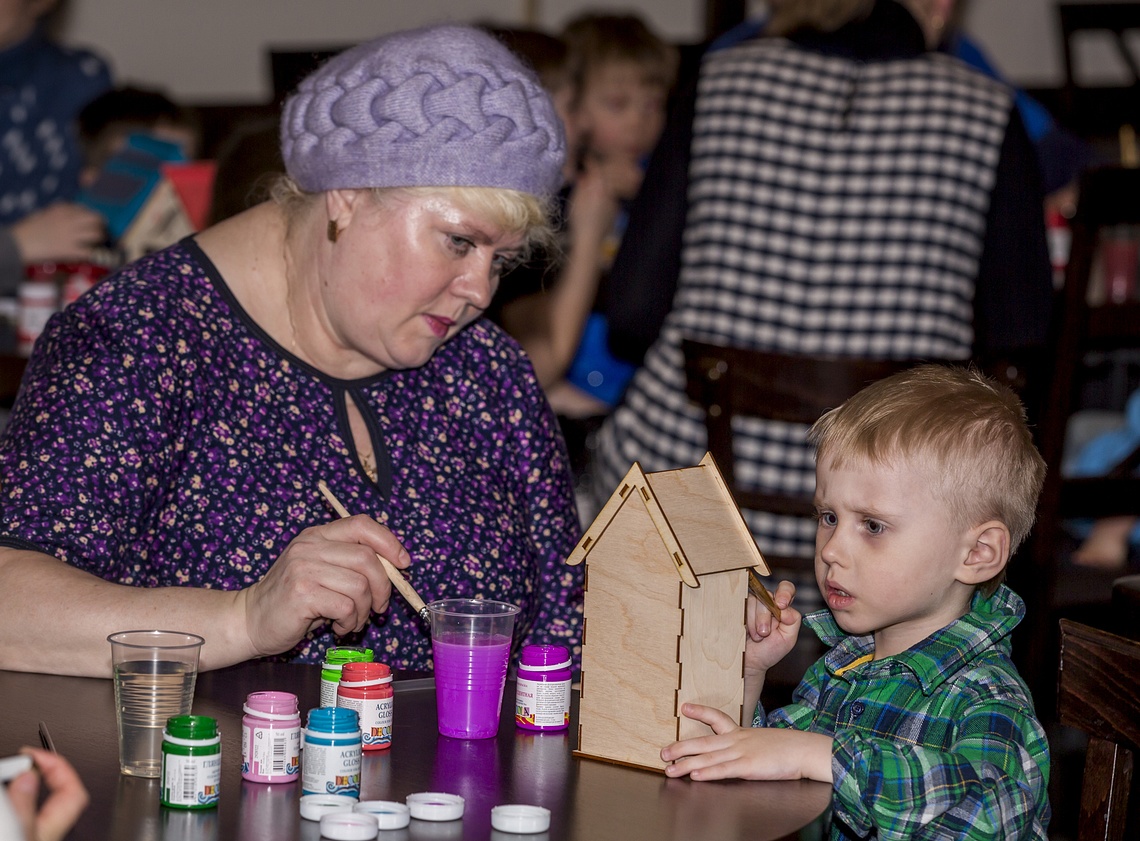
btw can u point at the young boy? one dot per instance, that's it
(926, 482)
(611, 91)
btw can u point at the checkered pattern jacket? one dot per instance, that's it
(836, 207)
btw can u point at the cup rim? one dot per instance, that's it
(189, 640)
(445, 607)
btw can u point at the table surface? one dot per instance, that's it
(588, 799)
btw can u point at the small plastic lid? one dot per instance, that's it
(272, 705)
(388, 813)
(435, 806)
(349, 826)
(337, 720)
(315, 806)
(520, 818)
(544, 658)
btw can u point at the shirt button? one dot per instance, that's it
(857, 709)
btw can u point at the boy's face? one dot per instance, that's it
(889, 557)
(620, 112)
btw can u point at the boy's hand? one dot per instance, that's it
(748, 753)
(769, 639)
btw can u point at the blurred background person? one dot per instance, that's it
(43, 86)
(837, 187)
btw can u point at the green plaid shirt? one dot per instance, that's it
(939, 742)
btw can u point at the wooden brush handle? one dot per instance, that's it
(394, 575)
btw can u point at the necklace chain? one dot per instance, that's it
(368, 462)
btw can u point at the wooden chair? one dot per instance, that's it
(1099, 693)
(1051, 588)
(1118, 21)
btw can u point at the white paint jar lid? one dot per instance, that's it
(349, 826)
(435, 806)
(388, 813)
(316, 806)
(520, 819)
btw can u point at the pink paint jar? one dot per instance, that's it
(367, 688)
(271, 738)
(542, 691)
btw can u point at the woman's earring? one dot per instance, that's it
(333, 230)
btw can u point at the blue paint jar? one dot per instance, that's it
(332, 755)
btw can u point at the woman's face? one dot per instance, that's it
(405, 276)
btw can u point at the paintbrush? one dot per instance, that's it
(756, 587)
(398, 580)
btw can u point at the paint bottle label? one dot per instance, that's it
(543, 704)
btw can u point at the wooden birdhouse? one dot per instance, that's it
(667, 578)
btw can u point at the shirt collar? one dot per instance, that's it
(888, 32)
(937, 658)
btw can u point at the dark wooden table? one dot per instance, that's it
(589, 800)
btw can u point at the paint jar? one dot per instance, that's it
(38, 301)
(271, 738)
(542, 695)
(191, 762)
(367, 688)
(335, 658)
(332, 752)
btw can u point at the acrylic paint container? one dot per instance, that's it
(332, 752)
(367, 688)
(191, 762)
(335, 658)
(542, 695)
(271, 738)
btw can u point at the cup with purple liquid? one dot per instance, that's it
(471, 644)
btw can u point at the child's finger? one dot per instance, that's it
(714, 718)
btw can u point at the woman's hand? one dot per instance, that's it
(328, 573)
(749, 753)
(769, 640)
(66, 799)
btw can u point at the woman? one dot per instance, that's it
(161, 466)
(840, 189)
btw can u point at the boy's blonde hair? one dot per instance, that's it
(966, 430)
(593, 40)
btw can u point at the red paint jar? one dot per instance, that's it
(367, 688)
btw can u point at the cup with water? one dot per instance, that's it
(471, 644)
(154, 679)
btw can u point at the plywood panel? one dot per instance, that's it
(712, 648)
(704, 518)
(629, 660)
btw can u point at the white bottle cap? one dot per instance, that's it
(316, 806)
(349, 826)
(435, 806)
(521, 819)
(388, 813)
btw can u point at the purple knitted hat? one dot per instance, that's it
(434, 107)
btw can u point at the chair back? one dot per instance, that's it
(1099, 693)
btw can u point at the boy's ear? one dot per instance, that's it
(988, 553)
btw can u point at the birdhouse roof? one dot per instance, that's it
(695, 514)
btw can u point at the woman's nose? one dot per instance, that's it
(479, 283)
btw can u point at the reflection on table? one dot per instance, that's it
(588, 799)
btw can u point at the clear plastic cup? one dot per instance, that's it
(155, 673)
(471, 645)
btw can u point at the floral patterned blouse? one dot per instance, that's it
(162, 438)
